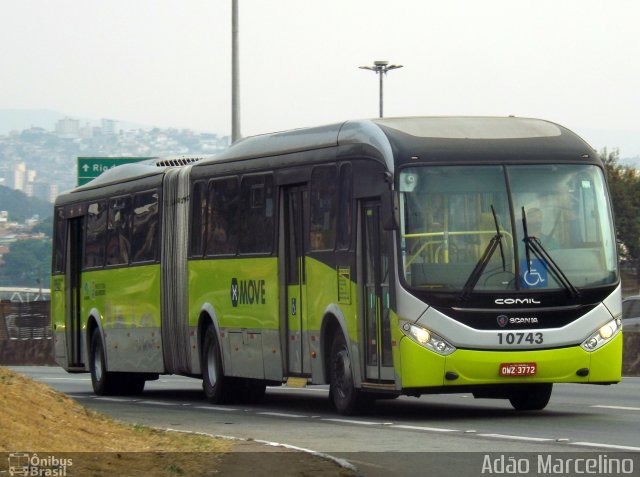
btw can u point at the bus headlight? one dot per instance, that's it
(603, 335)
(428, 339)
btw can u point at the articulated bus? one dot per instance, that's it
(386, 257)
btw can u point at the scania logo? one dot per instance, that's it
(504, 320)
(517, 301)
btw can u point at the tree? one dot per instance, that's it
(21, 207)
(624, 186)
(46, 227)
(27, 264)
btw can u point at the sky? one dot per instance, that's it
(167, 63)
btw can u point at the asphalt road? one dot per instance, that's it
(405, 436)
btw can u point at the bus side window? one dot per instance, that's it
(145, 227)
(345, 212)
(257, 214)
(198, 217)
(96, 235)
(60, 241)
(222, 217)
(119, 244)
(323, 200)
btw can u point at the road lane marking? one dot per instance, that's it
(280, 414)
(214, 408)
(517, 438)
(423, 428)
(159, 403)
(351, 421)
(396, 426)
(607, 446)
(620, 408)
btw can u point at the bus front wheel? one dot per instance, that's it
(534, 397)
(346, 398)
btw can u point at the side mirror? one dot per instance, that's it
(390, 210)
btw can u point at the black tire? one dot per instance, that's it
(216, 387)
(249, 391)
(387, 396)
(346, 398)
(107, 383)
(534, 397)
(131, 384)
(104, 383)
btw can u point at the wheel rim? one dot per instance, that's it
(211, 366)
(342, 372)
(97, 363)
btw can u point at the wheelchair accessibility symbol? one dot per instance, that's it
(533, 274)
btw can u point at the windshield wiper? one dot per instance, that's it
(498, 235)
(533, 244)
(496, 241)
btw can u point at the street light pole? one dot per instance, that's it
(381, 68)
(235, 74)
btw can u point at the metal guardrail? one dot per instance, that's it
(22, 321)
(24, 295)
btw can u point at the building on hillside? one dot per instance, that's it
(67, 128)
(108, 127)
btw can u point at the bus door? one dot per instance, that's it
(296, 199)
(377, 329)
(73, 321)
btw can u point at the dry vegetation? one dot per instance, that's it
(37, 419)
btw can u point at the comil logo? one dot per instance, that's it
(517, 301)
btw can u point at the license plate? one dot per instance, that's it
(518, 369)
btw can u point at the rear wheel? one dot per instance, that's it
(346, 398)
(216, 387)
(532, 397)
(106, 383)
(132, 383)
(103, 382)
(249, 391)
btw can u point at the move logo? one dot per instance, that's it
(247, 292)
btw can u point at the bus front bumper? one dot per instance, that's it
(423, 368)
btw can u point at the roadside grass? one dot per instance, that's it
(36, 419)
(39, 420)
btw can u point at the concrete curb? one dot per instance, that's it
(341, 462)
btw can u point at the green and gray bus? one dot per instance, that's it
(382, 257)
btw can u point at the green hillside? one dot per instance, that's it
(21, 207)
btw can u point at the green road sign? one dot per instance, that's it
(91, 167)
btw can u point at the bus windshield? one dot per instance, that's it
(512, 227)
